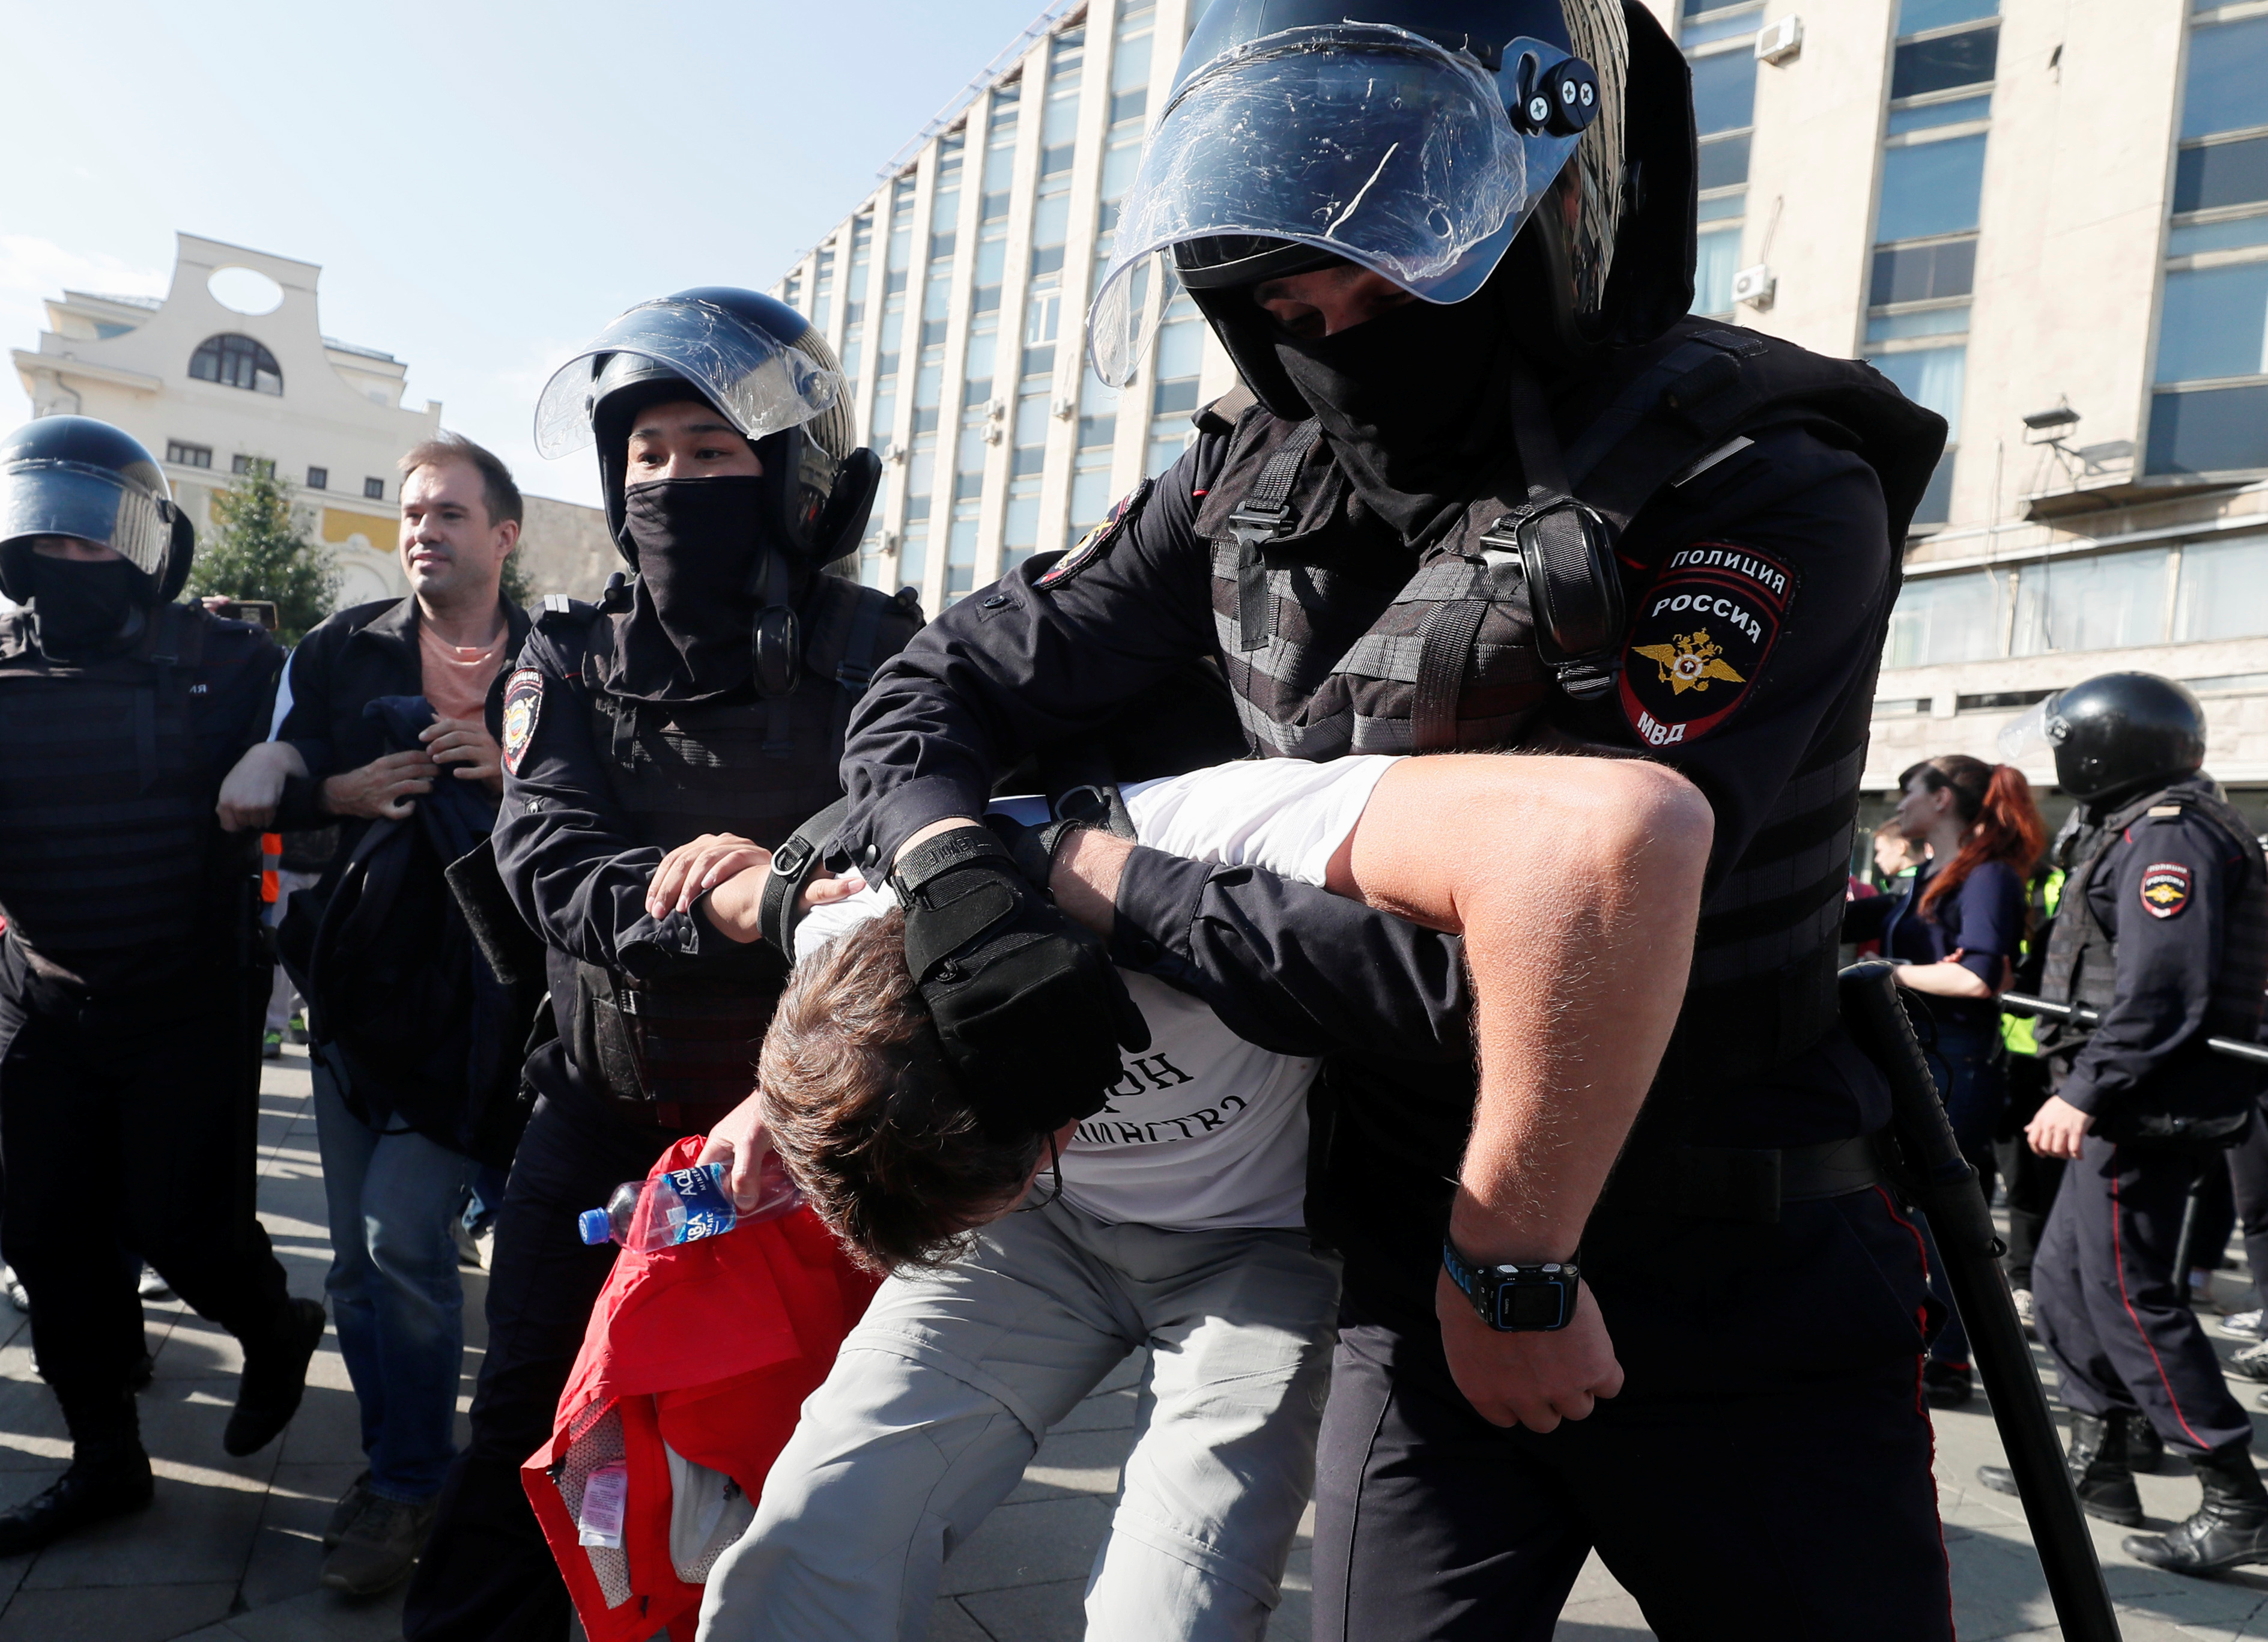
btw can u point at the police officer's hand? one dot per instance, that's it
(1030, 1008)
(731, 870)
(2058, 1128)
(466, 743)
(738, 1141)
(1534, 1380)
(385, 789)
(250, 792)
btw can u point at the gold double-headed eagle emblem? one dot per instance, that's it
(1691, 663)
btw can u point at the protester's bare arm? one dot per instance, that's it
(250, 792)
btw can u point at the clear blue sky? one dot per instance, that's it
(484, 184)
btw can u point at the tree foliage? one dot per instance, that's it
(255, 552)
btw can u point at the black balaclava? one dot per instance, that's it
(78, 606)
(687, 634)
(1414, 402)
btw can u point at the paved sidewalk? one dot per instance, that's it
(231, 1551)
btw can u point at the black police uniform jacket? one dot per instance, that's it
(1758, 583)
(114, 871)
(2163, 928)
(663, 1016)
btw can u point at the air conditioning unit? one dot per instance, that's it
(1755, 286)
(1778, 42)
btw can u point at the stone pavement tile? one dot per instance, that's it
(317, 1616)
(1027, 1545)
(142, 1613)
(32, 1436)
(1053, 1612)
(949, 1621)
(287, 1553)
(1072, 1462)
(328, 1428)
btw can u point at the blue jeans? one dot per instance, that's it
(1973, 1079)
(395, 1294)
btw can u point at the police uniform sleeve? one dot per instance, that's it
(1047, 653)
(567, 854)
(1292, 967)
(2167, 910)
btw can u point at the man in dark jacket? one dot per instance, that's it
(392, 1167)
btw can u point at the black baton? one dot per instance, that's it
(2087, 1015)
(1945, 1186)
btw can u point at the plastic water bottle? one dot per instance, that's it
(684, 1206)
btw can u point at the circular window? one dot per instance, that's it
(244, 291)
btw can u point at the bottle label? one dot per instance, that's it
(706, 1211)
(606, 1498)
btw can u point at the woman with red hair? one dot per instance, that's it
(1953, 935)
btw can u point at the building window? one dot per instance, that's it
(189, 455)
(235, 361)
(2110, 601)
(1941, 619)
(1718, 40)
(373, 490)
(246, 465)
(319, 478)
(2209, 412)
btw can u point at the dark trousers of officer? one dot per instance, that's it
(487, 1573)
(2107, 1306)
(2248, 1176)
(129, 1121)
(2032, 1179)
(1764, 1473)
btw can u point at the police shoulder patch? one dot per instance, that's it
(1700, 639)
(2165, 889)
(1095, 542)
(523, 705)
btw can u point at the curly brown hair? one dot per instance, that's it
(868, 1116)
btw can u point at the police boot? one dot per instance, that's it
(2146, 1450)
(2231, 1524)
(2100, 1475)
(275, 1378)
(109, 1474)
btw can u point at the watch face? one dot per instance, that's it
(1531, 1306)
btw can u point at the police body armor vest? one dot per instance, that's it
(1444, 651)
(2082, 965)
(106, 802)
(753, 766)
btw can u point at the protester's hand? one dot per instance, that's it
(385, 789)
(216, 602)
(738, 1141)
(466, 743)
(1534, 1380)
(2057, 1128)
(250, 792)
(695, 867)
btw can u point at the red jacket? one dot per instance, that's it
(707, 1349)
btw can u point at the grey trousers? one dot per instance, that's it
(942, 1393)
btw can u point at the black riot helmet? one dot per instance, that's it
(760, 365)
(77, 476)
(2121, 734)
(1542, 150)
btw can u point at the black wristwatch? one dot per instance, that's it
(1515, 1299)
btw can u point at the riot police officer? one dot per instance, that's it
(2162, 928)
(1486, 487)
(132, 985)
(706, 699)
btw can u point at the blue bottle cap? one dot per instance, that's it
(595, 1226)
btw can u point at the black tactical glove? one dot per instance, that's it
(1030, 1008)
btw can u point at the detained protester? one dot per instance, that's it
(387, 702)
(130, 1002)
(2163, 928)
(1956, 934)
(1491, 488)
(706, 697)
(1178, 1219)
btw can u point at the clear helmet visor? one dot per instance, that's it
(1362, 140)
(751, 376)
(2030, 737)
(64, 499)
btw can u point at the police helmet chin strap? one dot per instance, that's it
(1565, 553)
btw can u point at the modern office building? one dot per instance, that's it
(2046, 219)
(231, 369)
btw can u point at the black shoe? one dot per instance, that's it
(345, 1513)
(144, 1370)
(1946, 1385)
(275, 1378)
(96, 1489)
(2099, 1473)
(2146, 1450)
(2229, 1529)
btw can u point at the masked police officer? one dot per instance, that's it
(1486, 487)
(131, 985)
(2163, 927)
(704, 702)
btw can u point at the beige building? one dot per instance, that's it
(230, 368)
(2047, 219)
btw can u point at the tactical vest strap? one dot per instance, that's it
(1444, 648)
(791, 868)
(1264, 514)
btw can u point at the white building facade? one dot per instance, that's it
(2046, 219)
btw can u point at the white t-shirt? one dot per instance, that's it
(1203, 1131)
